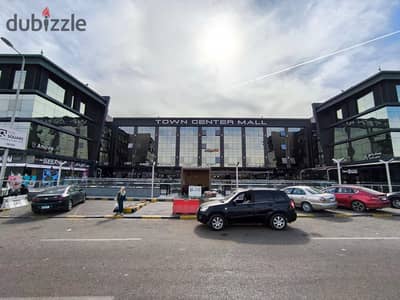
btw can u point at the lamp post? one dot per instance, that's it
(60, 164)
(389, 180)
(338, 161)
(152, 179)
(237, 175)
(14, 111)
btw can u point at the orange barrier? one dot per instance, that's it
(183, 206)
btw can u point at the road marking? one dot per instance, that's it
(92, 240)
(61, 298)
(357, 238)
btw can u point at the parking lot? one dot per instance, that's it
(314, 258)
(104, 208)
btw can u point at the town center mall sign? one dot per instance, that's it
(211, 122)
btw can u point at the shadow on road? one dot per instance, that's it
(254, 234)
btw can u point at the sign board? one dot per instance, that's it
(12, 138)
(194, 191)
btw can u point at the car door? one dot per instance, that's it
(73, 194)
(241, 208)
(343, 195)
(263, 204)
(298, 196)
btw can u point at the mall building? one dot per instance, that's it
(362, 126)
(260, 147)
(60, 118)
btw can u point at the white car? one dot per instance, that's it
(309, 198)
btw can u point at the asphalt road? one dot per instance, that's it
(326, 258)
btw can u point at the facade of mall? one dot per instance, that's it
(65, 120)
(59, 117)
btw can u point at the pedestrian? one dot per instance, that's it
(23, 190)
(121, 197)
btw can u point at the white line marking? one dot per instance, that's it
(357, 238)
(91, 240)
(61, 298)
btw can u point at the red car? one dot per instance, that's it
(358, 198)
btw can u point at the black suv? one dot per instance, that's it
(270, 206)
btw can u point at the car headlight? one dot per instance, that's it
(203, 208)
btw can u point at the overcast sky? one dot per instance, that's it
(191, 58)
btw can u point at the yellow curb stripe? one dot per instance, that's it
(188, 217)
(151, 217)
(382, 215)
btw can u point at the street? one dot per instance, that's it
(315, 258)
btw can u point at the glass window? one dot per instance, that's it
(210, 152)
(82, 108)
(55, 91)
(396, 143)
(232, 146)
(188, 146)
(0, 74)
(297, 191)
(50, 140)
(340, 133)
(82, 151)
(340, 151)
(19, 75)
(365, 102)
(372, 147)
(254, 147)
(397, 90)
(275, 138)
(149, 130)
(166, 146)
(339, 114)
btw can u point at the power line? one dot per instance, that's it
(316, 59)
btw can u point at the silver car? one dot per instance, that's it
(309, 198)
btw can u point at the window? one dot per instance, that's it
(339, 114)
(19, 76)
(55, 91)
(289, 191)
(397, 90)
(254, 147)
(166, 146)
(210, 152)
(298, 192)
(82, 108)
(0, 74)
(263, 196)
(365, 102)
(232, 146)
(188, 146)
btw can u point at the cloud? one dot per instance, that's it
(183, 58)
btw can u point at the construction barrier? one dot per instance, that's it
(183, 206)
(15, 201)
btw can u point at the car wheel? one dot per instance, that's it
(395, 202)
(306, 207)
(217, 222)
(278, 222)
(69, 205)
(358, 206)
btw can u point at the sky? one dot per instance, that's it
(200, 58)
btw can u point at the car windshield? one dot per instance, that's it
(313, 191)
(229, 197)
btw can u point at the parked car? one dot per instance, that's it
(394, 199)
(58, 198)
(269, 206)
(309, 198)
(358, 198)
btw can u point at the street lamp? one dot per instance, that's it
(152, 179)
(338, 161)
(6, 150)
(60, 164)
(389, 180)
(237, 175)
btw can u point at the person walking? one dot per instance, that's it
(121, 197)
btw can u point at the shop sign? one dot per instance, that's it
(194, 191)
(350, 171)
(375, 155)
(12, 138)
